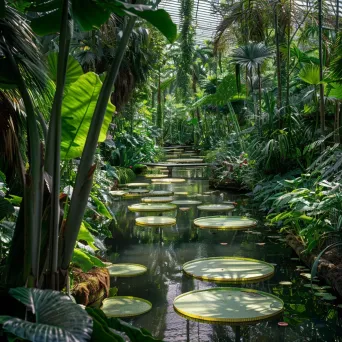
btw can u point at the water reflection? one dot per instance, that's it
(165, 251)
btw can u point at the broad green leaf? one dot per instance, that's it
(101, 208)
(159, 18)
(77, 112)
(88, 14)
(310, 74)
(48, 23)
(73, 72)
(85, 260)
(85, 235)
(58, 318)
(334, 91)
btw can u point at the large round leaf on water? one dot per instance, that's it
(186, 202)
(187, 161)
(125, 306)
(225, 222)
(156, 176)
(126, 270)
(160, 193)
(77, 112)
(169, 180)
(137, 185)
(155, 221)
(139, 191)
(228, 304)
(157, 199)
(229, 269)
(146, 207)
(216, 207)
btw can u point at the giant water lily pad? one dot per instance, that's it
(137, 185)
(187, 161)
(126, 270)
(216, 207)
(186, 202)
(117, 193)
(169, 180)
(125, 306)
(156, 175)
(181, 193)
(157, 199)
(225, 222)
(132, 195)
(228, 304)
(160, 193)
(229, 269)
(157, 207)
(139, 191)
(155, 221)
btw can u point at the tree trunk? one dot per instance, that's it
(259, 83)
(320, 47)
(288, 59)
(160, 118)
(278, 58)
(337, 139)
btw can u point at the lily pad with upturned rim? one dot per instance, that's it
(229, 269)
(152, 207)
(139, 191)
(216, 207)
(228, 305)
(126, 270)
(187, 161)
(157, 199)
(157, 175)
(155, 221)
(125, 306)
(169, 180)
(225, 222)
(117, 193)
(137, 185)
(156, 193)
(186, 202)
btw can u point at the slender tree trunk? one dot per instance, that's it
(288, 58)
(259, 84)
(278, 57)
(160, 118)
(320, 47)
(337, 138)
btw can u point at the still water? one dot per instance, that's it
(164, 251)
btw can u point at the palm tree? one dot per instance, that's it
(251, 57)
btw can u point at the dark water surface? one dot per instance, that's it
(309, 318)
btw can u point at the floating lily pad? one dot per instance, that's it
(169, 180)
(285, 283)
(157, 199)
(225, 222)
(149, 207)
(216, 207)
(181, 193)
(125, 306)
(228, 269)
(184, 209)
(117, 193)
(158, 221)
(160, 193)
(155, 176)
(137, 185)
(230, 305)
(132, 195)
(126, 270)
(186, 202)
(187, 161)
(261, 243)
(138, 191)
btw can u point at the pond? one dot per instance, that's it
(164, 252)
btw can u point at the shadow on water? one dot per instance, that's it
(164, 251)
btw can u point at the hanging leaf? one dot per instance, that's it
(85, 235)
(85, 260)
(77, 112)
(159, 18)
(73, 72)
(58, 318)
(49, 23)
(101, 208)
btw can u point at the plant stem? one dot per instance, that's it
(34, 180)
(320, 48)
(52, 165)
(84, 176)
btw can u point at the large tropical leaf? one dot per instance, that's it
(85, 260)
(6, 208)
(334, 91)
(310, 74)
(73, 72)
(251, 55)
(58, 318)
(85, 235)
(77, 112)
